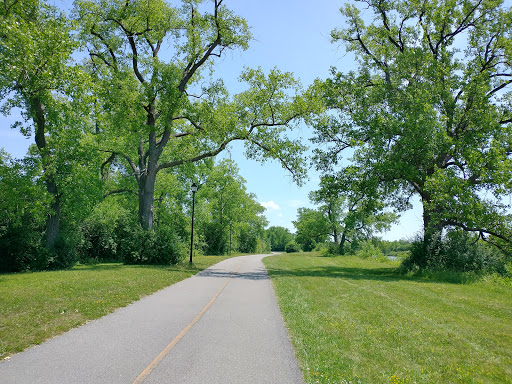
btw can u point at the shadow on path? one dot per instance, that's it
(253, 275)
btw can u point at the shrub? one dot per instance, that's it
(160, 246)
(308, 245)
(291, 247)
(263, 246)
(333, 249)
(21, 247)
(108, 225)
(369, 250)
(64, 253)
(100, 242)
(457, 251)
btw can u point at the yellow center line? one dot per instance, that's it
(171, 345)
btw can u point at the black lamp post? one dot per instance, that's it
(230, 229)
(193, 188)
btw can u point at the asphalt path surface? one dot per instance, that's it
(220, 326)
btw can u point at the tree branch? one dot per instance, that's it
(205, 155)
(107, 46)
(111, 158)
(117, 191)
(476, 229)
(128, 159)
(135, 62)
(499, 88)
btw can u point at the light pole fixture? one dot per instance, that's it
(230, 230)
(193, 188)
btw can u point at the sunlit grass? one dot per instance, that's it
(359, 320)
(37, 306)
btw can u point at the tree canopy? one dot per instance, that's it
(158, 106)
(428, 111)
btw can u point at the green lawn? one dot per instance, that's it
(37, 306)
(355, 320)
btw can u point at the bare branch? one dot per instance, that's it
(283, 161)
(499, 88)
(196, 126)
(193, 66)
(135, 59)
(92, 54)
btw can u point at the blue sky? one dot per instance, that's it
(295, 36)
(292, 36)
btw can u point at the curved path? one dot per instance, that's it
(220, 326)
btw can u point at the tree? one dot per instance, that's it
(423, 116)
(36, 76)
(153, 112)
(350, 214)
(279, 237)
(312, 228)
(226, 208)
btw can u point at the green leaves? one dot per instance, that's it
(421, 115)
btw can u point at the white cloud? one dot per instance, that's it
(270, 205)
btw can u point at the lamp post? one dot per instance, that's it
(230, 229)
(193, 188)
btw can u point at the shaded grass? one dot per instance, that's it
(37, 306)
(359, 320)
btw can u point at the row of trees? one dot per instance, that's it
(227, 219)
(136, 116)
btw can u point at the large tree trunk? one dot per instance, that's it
(146, 198)
(342, 243)
(431, 231)
(147, 178)
(332, 222)
(53, 219)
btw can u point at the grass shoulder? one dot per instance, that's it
(361, 321)
(37, 306)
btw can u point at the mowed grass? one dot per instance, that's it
(355, 320)
(37, 306)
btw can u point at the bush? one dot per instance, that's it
(263, 246)
(160, 246)
(457, 251)
(108, 225)
(64, 253)
(100, 242)
(332, 249)
(21, 247)
(292, 247)
(369, 250)
(308, 245)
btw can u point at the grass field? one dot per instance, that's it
(37, 306)
(355, 320)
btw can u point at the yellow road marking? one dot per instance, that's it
(171, 345)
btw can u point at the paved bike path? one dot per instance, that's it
(220, 326)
